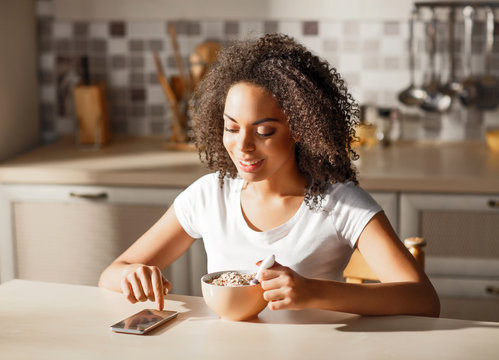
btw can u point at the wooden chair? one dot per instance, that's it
(357, 271)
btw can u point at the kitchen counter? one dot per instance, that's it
(461, 167)
(58, 321)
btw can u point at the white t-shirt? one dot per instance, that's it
(314, 243)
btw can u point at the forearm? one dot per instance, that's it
(111, 277)
(391, 298)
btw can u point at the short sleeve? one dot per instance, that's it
(190, 205)
(353, 209)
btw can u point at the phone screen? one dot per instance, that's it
(143, 321)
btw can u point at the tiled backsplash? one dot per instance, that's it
(370, 55)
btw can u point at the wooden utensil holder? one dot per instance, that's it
(92, 114)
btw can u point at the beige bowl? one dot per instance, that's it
(233, 302)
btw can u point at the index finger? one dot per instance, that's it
(157, 286)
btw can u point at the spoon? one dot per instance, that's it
(436, 101)
(412, 95)
(488, 84)
(266, 263)
(469, 93)
(453, 86)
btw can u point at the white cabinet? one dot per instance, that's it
(70, 234)
(462, 255)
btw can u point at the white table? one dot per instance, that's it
(58, 321)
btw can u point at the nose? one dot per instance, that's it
(245, 141)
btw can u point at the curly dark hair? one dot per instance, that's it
(321, 112)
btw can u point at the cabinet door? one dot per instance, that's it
(70, 234)
(462, 232)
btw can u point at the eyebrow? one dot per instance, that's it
(255, 122)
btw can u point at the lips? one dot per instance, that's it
(250, 165)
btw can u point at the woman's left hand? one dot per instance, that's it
(284, 288)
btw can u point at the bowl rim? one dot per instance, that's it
(211, 275)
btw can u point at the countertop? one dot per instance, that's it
(59, 321)
(424, 166)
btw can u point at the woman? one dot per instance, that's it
(276, 123)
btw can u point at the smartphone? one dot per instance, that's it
(143, 321)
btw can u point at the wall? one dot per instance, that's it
(365, 40)
(19, 123)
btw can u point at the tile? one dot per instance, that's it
(155, 94)
(391, 63)
(118, 62)
(44, 8)
(64, 125)
(392, 46)
(137, 94)
(231, 28)
(46, 77)
(212, 29)
(62, 29)
(290, 27)
(46, 61)
(45, 44)
(136, 79)
(63, 46)
(136, 62)
(120, 94)
(330, 45)
(350, 46)
(370, 62)
(44, 26)
(144, 29)
(310, 28)
(351, 28)
(157, 110)
(330, 29)
(136, 45)
(350, 63)
(158, 127)
(138, 127)
(193, 28)
(137, 110)
(98, 29)
(80, 29)
(98, 46)
(98, 63)
(370, 29)
(155, 45)
(81, 46)
(250, 29)
(270, 26)
(391, 28)
(370, 46)
(117, 29)
(119, 127)
(118, 77)
(117, 46)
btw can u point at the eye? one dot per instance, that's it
(230, 130)
(265, 131)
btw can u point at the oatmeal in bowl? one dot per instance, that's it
(231, 296)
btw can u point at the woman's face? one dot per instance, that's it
(256, 134)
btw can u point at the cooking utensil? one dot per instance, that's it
(203, 56)
(412, 95)
(468, 94)
(266, 263)
(453, 86)
(488, 85)
(436, 100)
(178, 133)
(178, 59)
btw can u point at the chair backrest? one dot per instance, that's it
(358, 271)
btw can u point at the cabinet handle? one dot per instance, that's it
(492, 290)
(493, 203)
(97, 196)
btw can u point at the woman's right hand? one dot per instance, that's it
(142, 282)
